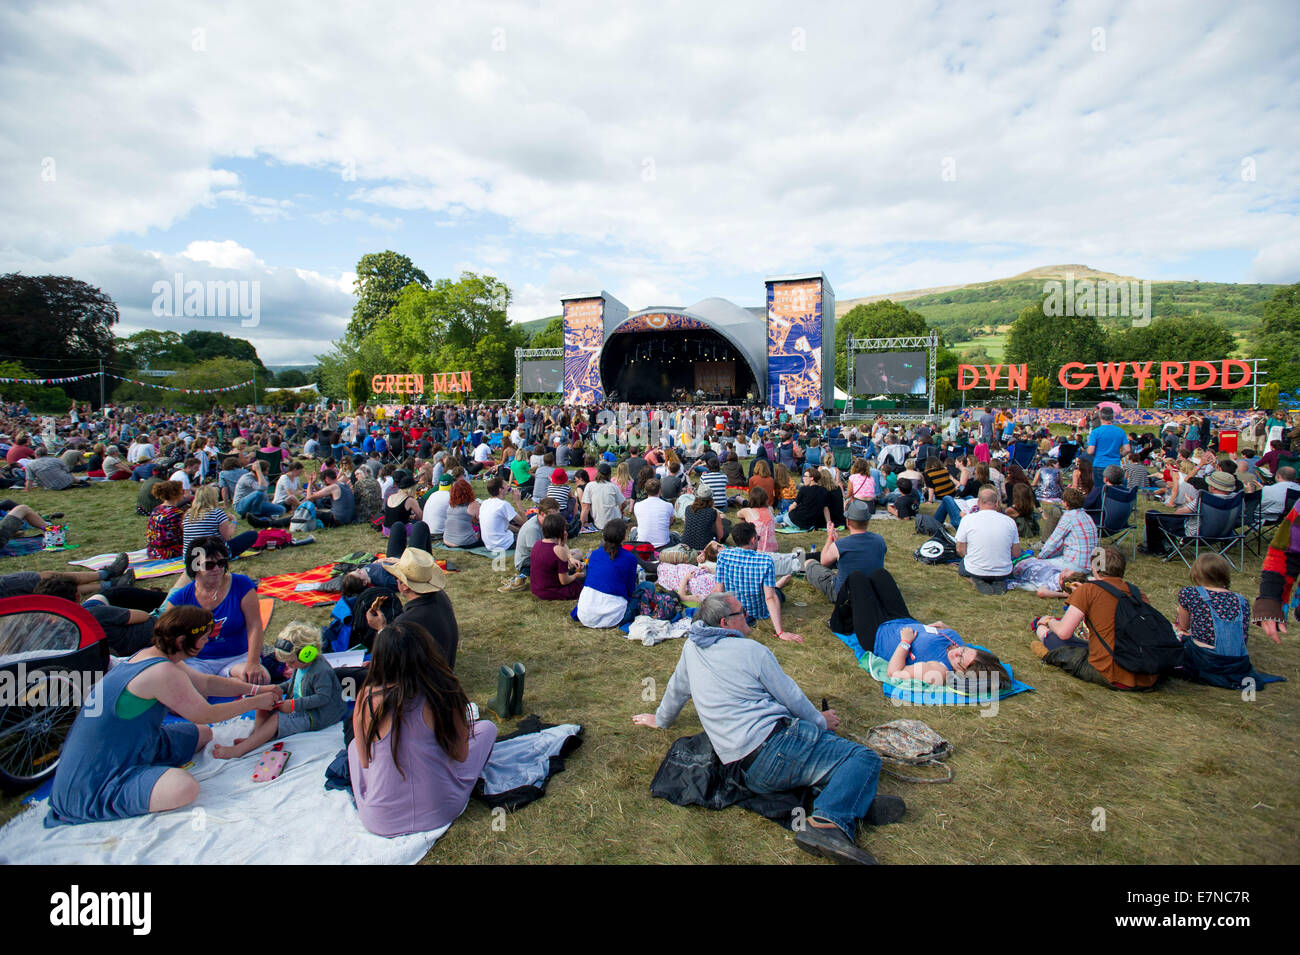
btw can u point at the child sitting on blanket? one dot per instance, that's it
(311, 699)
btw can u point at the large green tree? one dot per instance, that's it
(154, 349)
(57, 325)
(1045, 342)
(552, 336)
(1173, 338)
(1278, 338)
(206, 345)
(884, 319)
(454, 326)
(381, 277)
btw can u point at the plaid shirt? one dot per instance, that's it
(1073, 540)
(744, 572)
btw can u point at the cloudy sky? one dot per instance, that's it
(664, 152)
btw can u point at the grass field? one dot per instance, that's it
(1187, 774)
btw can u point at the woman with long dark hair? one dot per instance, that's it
(414, 757)
(610, 594)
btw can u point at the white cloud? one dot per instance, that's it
(910, 144)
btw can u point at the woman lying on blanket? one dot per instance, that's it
(931, 653)
(120, 760)
(311, 699)
(415, 755)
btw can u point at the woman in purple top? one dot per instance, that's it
(414, 758)
(553, 572)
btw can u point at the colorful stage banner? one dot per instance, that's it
(1076, 375)
(794, 344)
(584, 336)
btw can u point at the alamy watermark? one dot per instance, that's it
(50, 688)
(211, 299)
(982, 690)
(1088, 297)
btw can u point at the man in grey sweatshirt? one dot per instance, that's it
(756, 716)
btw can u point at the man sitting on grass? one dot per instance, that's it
(987, 542)
(860, 550)
(751, 575)
(756, 717)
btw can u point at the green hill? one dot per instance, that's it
(977, 315)
(536, 325)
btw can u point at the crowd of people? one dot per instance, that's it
(684, 507)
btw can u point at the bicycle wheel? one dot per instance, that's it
(34, 727)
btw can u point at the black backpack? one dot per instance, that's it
(1145, 641)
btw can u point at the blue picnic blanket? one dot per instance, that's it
(915, 692)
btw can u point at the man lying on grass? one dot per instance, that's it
(755, 715)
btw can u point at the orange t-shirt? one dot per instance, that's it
(1099, 612)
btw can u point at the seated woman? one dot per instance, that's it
(1048, 480)
(786, 487)
(829, 480)
(1214, 624)
(1077, 641)
(415, 756)
(873, 606)
(236, 646)
(251, 500)
(165, 530)
(205, 519)
(553, 572)
(862, 487)
(760, 515)
(120, 760)
(1023, 511)
(461, 529)
(811, 509)
(762, 477)
(610, 595)
(401, 505)
(704, 523)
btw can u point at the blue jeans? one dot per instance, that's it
(257, 505)
(948, 510)
(801, 755)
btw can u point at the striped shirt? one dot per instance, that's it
(1073, 540)
(209, 525)
(559, 492)
(716, 482)
(940, 480)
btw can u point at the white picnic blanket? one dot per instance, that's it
(234, 821)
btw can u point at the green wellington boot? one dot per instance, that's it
(517, 698)
(501, 703)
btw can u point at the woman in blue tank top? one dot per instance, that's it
(120, 759)
(933, 653)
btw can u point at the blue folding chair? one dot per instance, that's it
(1118, 516)
(1218, 529)
(1024, 454)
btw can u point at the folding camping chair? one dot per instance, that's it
(1259, 533)
(1024, 455)
(843, 457)
(273, 464)
(1118, 516)
(1218, 529)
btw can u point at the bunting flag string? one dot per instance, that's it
(133, 381)
(188, 391)
(47, 381)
